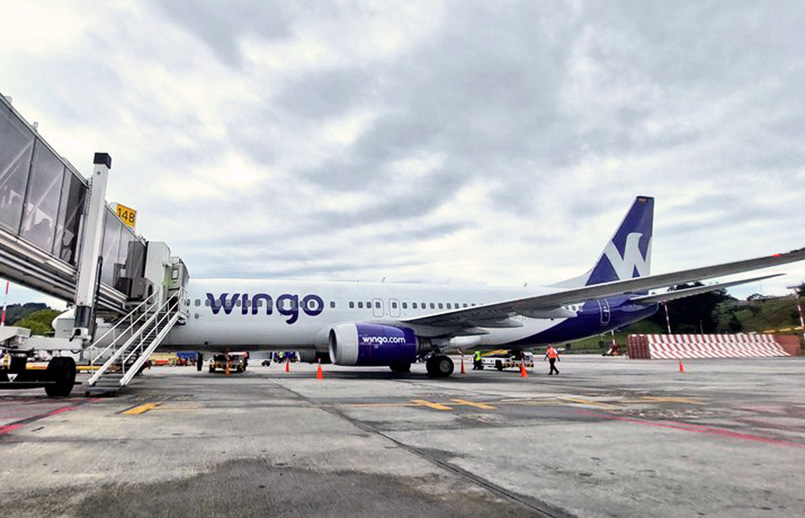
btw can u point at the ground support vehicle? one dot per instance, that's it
(502, 361)
(236, 362)
(36, 362)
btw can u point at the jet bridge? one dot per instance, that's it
(58, 236)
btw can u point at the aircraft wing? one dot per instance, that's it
(550, 305)
(696, 290)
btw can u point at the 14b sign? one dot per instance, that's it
(127, 214)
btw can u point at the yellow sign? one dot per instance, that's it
(128, 215)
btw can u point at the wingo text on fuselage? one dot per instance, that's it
(286, 304)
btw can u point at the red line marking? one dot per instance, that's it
(688, 427)
(62, 410)
(9, 428)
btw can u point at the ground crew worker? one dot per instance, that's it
(477, 363)
(552, 355)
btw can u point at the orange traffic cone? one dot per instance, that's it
(287, 366)
(462, 365)
(319, 374)
(523, 373)
(681, 366)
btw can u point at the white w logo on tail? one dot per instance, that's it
(632, 258)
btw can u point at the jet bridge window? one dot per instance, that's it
(42, 199)
(15, 160)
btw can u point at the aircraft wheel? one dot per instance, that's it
(61, 370)
(400, 367)
(439, 366)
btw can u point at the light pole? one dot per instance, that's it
(667, 318)
(799, 309)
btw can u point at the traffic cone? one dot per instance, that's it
(462, 365)
(319, 374)
(287, 366)
(523, 373)
(681, 366)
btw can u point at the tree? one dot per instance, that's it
(39, 321)
(694, 314)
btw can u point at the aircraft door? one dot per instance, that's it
(377, 308)
(603, 306)
(394, 307)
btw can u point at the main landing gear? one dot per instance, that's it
(439, 366)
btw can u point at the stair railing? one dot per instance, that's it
(145, 315)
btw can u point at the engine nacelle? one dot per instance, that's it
(372, 345)
(313, 357)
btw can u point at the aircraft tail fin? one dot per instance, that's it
(628, 254)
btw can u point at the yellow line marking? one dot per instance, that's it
(483, 406)
(141, 409)
(435, 406)
(178, 407)
(378, 405)
(674, 400)
(588, 402)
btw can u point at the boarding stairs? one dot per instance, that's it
(133, 339)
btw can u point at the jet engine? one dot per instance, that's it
(372, 345)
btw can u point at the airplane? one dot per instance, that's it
(395, 325)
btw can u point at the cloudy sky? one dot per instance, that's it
(474, 142)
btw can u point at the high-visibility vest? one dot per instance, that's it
(477, 355)
(551, 352)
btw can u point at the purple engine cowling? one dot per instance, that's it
(372, 344)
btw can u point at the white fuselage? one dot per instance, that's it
(211, 327)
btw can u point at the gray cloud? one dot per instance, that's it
(533, 124)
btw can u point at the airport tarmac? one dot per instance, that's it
(608, 437)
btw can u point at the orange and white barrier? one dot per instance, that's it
(675, 347)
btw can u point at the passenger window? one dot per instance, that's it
(393, 305)
(440, 305)
(360, 305)
(332, 304)
(368, 305)
(473, 304)
(237, 303)
(260, 303)
(465, 304)
(405, 305)
(198, 302)
(351, 305)
(457, 305)
(413, 305)
(448, 306)
(432, 305)
(207, 302)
